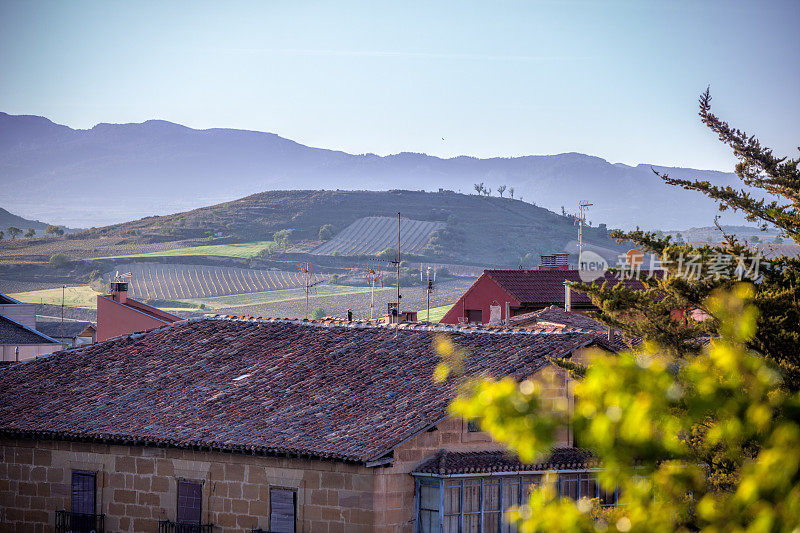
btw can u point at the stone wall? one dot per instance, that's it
(137, 487)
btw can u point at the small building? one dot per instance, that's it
(19, 342)
(230, 424)
(498, 295)
(70, 333)
(119, 315)
(21, 313)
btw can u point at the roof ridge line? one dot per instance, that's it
(353, 324)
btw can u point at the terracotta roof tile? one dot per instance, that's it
(484, 462)
(336, 389)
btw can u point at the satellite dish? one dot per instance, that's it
(634, 257)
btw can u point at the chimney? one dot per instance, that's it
(349, 315)
(508, 313)
(556, 261)
(119, 291)
(611, 333)
(567, 297)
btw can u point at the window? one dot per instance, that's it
(428, 508)
(478, 504)
(475, 316)
(283, 507)
(190, 499)
(473, 427)
(83, 492)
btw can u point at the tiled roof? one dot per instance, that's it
(331, 389)
(554, 315)
(12, 332)
(52, 328)
(7, 300)
(545, 287)
(485, 462)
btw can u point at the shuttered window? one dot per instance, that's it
(190, 498)
(283, 506)
(83, 492)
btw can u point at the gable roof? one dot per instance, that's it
(12, 332)
(333, 389)
(546, 287)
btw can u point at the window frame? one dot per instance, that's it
(517, 482)
(84, 473)
(293, 490)
(184, 481)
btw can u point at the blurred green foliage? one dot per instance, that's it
(639, 412)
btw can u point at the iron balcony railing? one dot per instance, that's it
(69, 522)
(166, 526)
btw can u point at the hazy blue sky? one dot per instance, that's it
(615, 79)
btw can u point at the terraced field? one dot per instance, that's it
(155, 281)
(371, 235)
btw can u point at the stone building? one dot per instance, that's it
(238, 424)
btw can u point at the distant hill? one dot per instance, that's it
(116, 172)
(10, 219)
(471, 229)
(713, 234)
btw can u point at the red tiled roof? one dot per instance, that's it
(331, 389)
(545, 287)
(449, 463)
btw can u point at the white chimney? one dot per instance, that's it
(567, 297)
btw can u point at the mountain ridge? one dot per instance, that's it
(116, 172)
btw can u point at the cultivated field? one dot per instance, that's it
(81, 296)
(414, 298)
(295, 295)
(155, 281)
(371, 235)
(244, 250)
(40, 250)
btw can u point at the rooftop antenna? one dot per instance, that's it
(307, 273)
(428, 286)
(373, 278)
(583, 209)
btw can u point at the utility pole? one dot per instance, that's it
(398, 266)
(63, 290)
(583, 208)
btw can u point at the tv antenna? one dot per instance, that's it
(306, 275)
(583, 209)
(373, 278)
(428, 286)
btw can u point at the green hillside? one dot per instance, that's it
(479, 230)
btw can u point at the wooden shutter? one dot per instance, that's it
(83, 492)
(282, 510)
(190, 497)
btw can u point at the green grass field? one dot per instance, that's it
(437, 313)
(269, 297)
(244, 250)
(83, 296)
